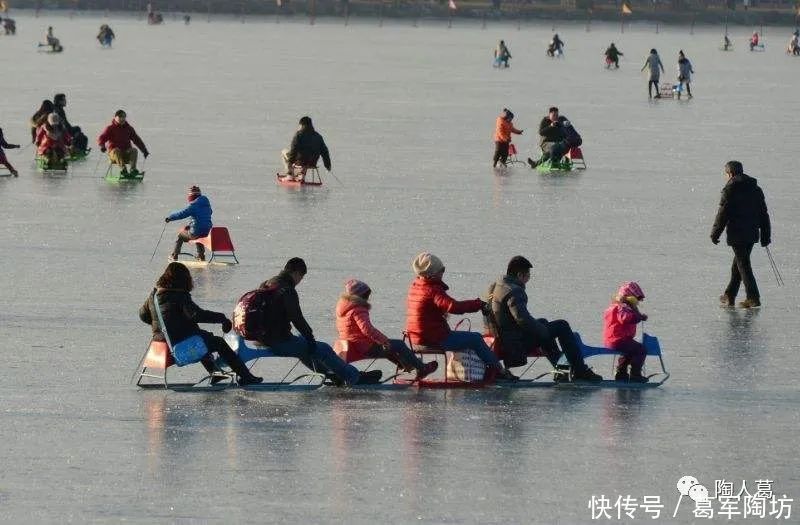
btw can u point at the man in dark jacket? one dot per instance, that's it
(80, 142)
(284, 311)
(518, 332)
(306, 148)
(551, 138)
(743, 213)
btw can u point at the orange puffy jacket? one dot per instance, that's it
(503, 130)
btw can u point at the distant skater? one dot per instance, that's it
(501, 55)
(685, 72)
(556, 47)
(754, 41)
(653, 64)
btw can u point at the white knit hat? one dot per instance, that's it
(426, 265)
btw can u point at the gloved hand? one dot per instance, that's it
(146, 154)
(486, 308)
(643, 316)
(715, 240)
(227, 325)
(102, 149)
(521, 131)
(166, 219)
(765, 242)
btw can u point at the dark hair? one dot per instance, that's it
(59, 96)
(296, 264)
(653, 51)
(734, 167)
(177, 277)
(45, 108)
(120, 113)
(518, 264)
(306, 121)
(552, 109)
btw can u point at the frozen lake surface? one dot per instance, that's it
(408, 114)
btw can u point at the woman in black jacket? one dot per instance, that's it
(181, 315)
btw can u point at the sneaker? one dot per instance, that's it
(249, 380)
(427, 369)
(15, 173)
(532, 163)
(750, 303)
(638, 378)
(587, 374)
(373, 377)
(622, 375)
(726, 300)
(506, 375)
(657, 96)
(334, 379)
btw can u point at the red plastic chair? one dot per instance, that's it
(218, 242)
(576, 156)
(157, 357)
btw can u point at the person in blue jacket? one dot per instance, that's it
(199, 210)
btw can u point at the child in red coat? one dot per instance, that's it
(620, 320)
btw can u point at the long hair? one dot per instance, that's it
(45, 109)
(176, 277)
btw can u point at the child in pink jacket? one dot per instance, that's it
(364, 341)
(620, 320)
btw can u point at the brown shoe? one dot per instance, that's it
(750, 303)
(726, 300)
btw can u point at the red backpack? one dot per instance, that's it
(250, 312)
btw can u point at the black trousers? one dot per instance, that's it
(741, 270)
(548, 333)
(184, 236)
(500, 152)
(218, 345)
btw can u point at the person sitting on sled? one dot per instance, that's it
(517, 332)
(427, 307)
(199, 212)
(282, 311)
(501, 55)
(117, 138)
(40, 117)
(306, 149)
(556, 46)
(52, 41)
(181, 317)
(3, 159)
(53, 140)
(612, 56)
(80, 142)
(363, 340)
(502, 136)
(551, 138)
(754, 40)
(619, 328)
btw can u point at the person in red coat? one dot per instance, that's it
(427, 307)
(359, 339)
(619, 328)
(52, 139)
(117, 139)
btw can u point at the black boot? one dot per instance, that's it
(373, 377)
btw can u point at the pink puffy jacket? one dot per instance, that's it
(355, 327)
(619, 324)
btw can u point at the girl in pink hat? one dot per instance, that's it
(359, 339)
(620, 320)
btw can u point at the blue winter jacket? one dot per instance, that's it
(200, 212)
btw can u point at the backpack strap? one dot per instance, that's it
(163, 328)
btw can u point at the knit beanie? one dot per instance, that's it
(427, 265)
(193, 193)
(631, 289)
(356, 287)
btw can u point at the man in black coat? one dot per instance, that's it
(743, 213)
(551, 138)
(306, 149)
